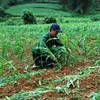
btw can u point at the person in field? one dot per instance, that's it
(45, 54)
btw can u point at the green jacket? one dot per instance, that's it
(48, 41)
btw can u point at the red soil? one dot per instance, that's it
(88, 85)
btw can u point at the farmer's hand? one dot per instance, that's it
(69, 50)
(55, 59)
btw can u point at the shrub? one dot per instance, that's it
(96, 18)
(10, 22)
(2, 19)
(14, 2)
(96, 96)
(2, 12)
(28, 18)
(50, 20)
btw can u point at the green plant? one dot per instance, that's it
(16, 76)
(96, 96)
(2, 12)
(28, 18)
(38, 9)
(10, 22)
(48, 20)
(80, 35)
(2, 65)
(2, 19)
(19, 48)
(96, 18)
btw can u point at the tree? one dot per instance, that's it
(2, 12)
(77, 5)
(28, 17)
(14, 2)
(63, 3)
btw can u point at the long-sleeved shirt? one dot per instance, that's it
(48, 41)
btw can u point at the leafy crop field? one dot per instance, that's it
(38, 10)
(77, 78)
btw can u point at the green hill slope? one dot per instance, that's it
(38, 9)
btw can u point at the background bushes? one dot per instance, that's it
(48, 20)
(28, 18)
(2, 12)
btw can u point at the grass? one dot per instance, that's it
(82, 38)
(77, 34)
(40, 20)
(38, 10)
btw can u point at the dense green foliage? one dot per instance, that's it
(6, 3)
(49, 20)
(75, 36)
(38, 9)
(16, 42)
(96, 96)
(28, 18)
(2, 12)
(79, 6)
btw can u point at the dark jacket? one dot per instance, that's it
(48, 41)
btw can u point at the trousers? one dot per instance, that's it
(45, 57)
